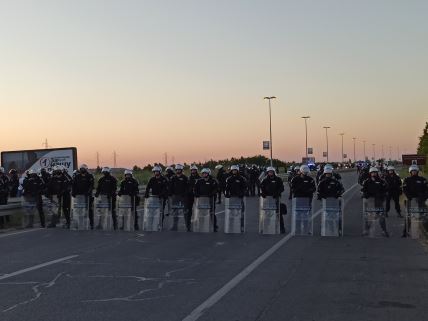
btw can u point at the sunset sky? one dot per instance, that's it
(188, 77)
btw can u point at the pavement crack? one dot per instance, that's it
(37, 291)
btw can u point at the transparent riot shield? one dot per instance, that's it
(332, 217)
(125, 215)
(177, 218)
(302, 217)
(269, 216)
(52, 207)
(374, 221)
(80, 213)
(202, 220)
(234, 215)
(103, 213)
(152, 220)
(29, 203)
(416, 214)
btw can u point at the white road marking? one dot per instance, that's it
(21, 232)
(217, 296)
(36, 267)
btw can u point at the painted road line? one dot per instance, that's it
(37, 267)
(217, 296)
(21, 232)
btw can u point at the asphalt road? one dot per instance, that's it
(94, 275)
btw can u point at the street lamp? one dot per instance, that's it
(341, 134)
(354, 139)
(364, 145)
(270, 127)
(306, 131)
(326, 138)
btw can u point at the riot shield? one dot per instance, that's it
(52, 208)
(80, 213)
(103, 213)
(332, 217)
(152, 221)
(125, 215)
(202, 220)
(234, 215)
(416, 214)
(374, 221)
(176, 220)
(269, 215)
(29, 203)
(302, 217)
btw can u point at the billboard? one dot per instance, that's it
(414, 159)
(35, 159)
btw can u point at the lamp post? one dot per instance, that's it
(270, 127)
(354, 139)
(342, 134)
(364, 145)
(306, 132)
(326, 138)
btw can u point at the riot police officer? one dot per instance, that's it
(59, 186)
(33, 187)
(221, 179)
(107, 185)
(157, 185)
(293, 173)
(414, 187)
(193, 178)
(129, 186)
(329, 186)
(178, 187)
(376, 187)
(303, 185)
(207, 186)
(83, 184)
(236, 184)
(394, 190)
(273, 185)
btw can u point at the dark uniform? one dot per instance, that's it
(178, 190)
(193, 178)
(254, 174)
(34, 187)
(83, 184)
(330, 187)
(107, 185)
(394, 191)
(236, 186)
(207, 188)
(59, 186)
(414, 187)
(274, 186)
(157, 186)
(221, 179)
(13, 183)
(303, 186)
(375, 187)
(4, 193)
(129, 186)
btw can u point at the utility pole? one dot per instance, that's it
(166, 159)
(45, 144)
(365, 155)
(306, 134)
(354, 139)
(114, 159)
(269, 98)
(98, 159)
(326, 138)
(341, 134)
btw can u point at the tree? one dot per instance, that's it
(423, 143)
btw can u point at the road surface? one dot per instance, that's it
(55, 274)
